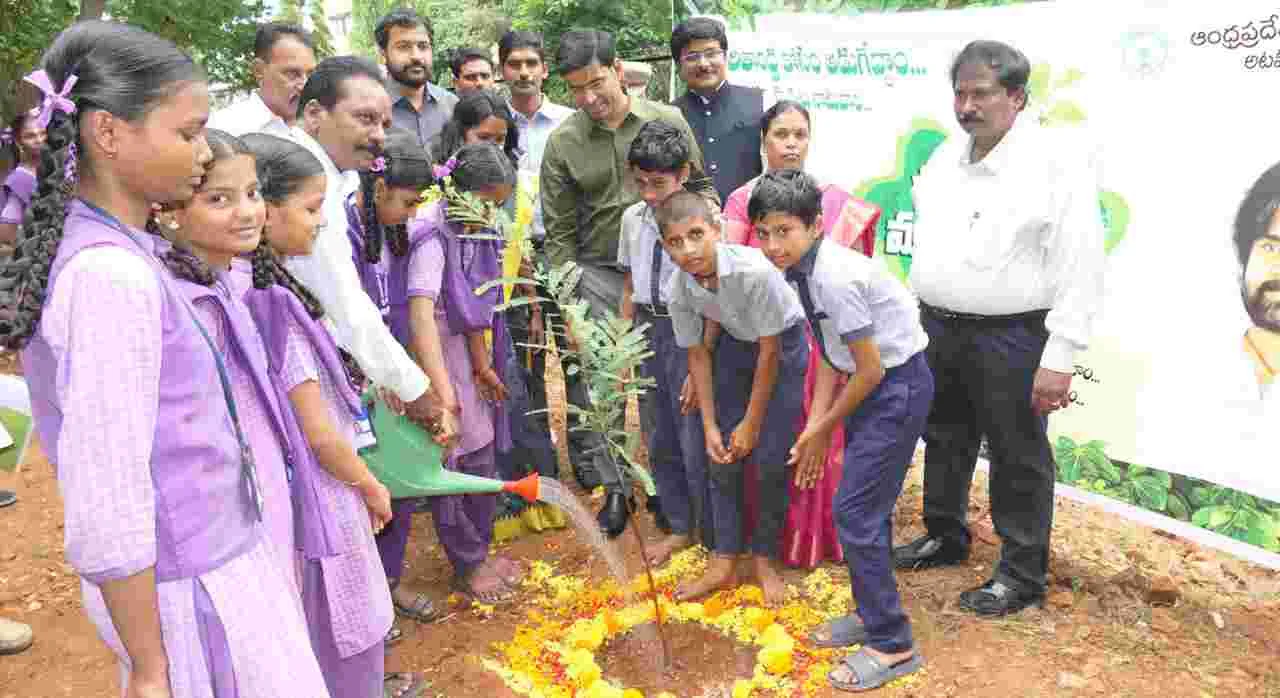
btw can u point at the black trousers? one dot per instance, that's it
(983, 373)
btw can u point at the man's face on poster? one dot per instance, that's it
(1262, 278)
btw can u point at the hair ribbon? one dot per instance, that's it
(379, 164)
(442, 171)
(53, 99)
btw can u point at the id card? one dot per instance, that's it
(366, 437)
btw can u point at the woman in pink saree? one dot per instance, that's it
(809, 535)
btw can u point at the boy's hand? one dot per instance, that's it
(688, 396)
(378, 500)
(715, 447)
(744, 439)
(446, 430)
(809, 455)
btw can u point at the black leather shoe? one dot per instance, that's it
(995, 599)
(926, 552)
(654, 505)
(613, 517)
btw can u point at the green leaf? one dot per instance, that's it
(1068, 465)
(1220, 516)
(1150, 493)
(1177, 507)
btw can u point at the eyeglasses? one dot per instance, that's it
(695, 57)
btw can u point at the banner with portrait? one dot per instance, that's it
(1176, 408)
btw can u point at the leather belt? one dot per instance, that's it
(953, 316)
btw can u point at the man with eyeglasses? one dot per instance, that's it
(725, 118)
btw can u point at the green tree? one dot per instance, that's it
(290, 11)
(27, 27)
(218, 33)
(320, 30)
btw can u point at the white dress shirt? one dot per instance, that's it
(330, 274)
(534, 132)
(249, 115)
(1019, 230)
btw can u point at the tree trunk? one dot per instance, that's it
(91, 9)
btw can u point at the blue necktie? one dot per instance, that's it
(806, 302)
(655, 298)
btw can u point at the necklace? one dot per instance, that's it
(1271, 371)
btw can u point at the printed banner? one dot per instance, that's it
(1171, 102)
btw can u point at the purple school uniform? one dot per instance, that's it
(221, 308)
(345, 596)
(150, 471)
(15, 195)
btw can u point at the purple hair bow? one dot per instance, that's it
(442, 171)
(6, 136)
(53, 99)
(379, 164)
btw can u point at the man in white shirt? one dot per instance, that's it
(284, 56)
(1008, 270)
(345, 113)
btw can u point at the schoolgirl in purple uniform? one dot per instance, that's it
(335, 497)
(162, 506)
(25, 140)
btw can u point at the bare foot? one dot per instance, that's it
(775, 590)
(722, 573)
(666, 547)
(512, 572)
(483, 585)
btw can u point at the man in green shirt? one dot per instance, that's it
(584, 192)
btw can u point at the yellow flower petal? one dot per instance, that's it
(742, 688)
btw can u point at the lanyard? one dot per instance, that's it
(248, 470)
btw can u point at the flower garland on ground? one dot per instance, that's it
(552, 654)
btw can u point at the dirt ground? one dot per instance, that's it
(1132, 612)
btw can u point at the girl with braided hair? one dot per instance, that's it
(162, 503)
(344, 594)
(24, 139)
(222, 221)
(440, 317)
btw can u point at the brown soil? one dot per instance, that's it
(1097, 636)
(701, 659)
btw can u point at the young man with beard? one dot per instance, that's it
(405, 42)
(584, 194)
(1008, 268)
(284, 57)
(1257, 244)
(724, 117)
(343, 118)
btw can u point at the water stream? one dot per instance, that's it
(553, 492)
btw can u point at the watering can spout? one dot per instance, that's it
(526, 487)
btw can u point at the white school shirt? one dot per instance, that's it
(330, 274)
(860, 299)
(752, 299)
(1018, 231)
(249, 115)
(635, 254)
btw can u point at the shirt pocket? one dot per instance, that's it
(999, 232)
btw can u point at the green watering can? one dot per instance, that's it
(410, 464)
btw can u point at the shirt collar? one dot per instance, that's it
(430, 95)
(259, 105)
(804, 267)
(999, 158)
(714, 95)
(638, 109)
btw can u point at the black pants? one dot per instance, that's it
(983, 372)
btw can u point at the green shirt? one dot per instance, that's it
(583, 183)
